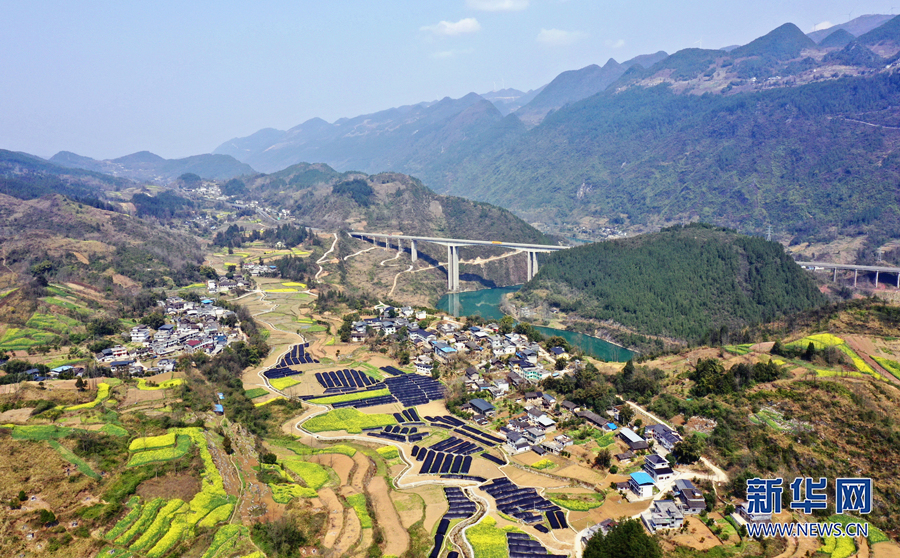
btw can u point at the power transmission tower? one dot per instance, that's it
(769, 234)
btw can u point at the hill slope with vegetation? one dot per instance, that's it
(681, 283)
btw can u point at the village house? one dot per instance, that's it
(658, 468)
(634, 442)
(663, 514)
(641, 484)
(516, 442)
(688, 497)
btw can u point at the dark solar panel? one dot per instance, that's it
(426, 465)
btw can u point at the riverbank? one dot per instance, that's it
(488, 303)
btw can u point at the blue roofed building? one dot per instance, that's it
(641, 484)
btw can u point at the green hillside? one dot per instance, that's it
(791, 157)
(682, 282)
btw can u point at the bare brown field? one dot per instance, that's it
(183, 486)
(396, 537)
(410, 507)
(342, 464)
(335, 522)
(136, 396)
(350, 533)
(698, 537)
(16, 416)
(885, 550)
(526, 478)
(435, 505)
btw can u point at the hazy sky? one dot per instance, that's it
(105, 79)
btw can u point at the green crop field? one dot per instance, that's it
(349, 419)
(576, 502)
(358, 503)
(152, 442)
(543, 464)
(388, 452)
(148, 512)
(303, 449)
(143, 385)
(114, 430)
(16, 339)
(284, 493)
(314, 475)
(487, 541)
(182, 446)
(284, 383)
(222, 513)
(40, 432)
(350, 397)
(63, 303)
(102, 395)
(54, 323)
(256, 392)
(80, 463)
(891, 366)
(224, 540)
(126, 522)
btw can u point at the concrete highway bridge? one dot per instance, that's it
(453, 245)
(877, 269)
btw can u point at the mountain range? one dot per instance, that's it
(144, 166)
(782, 130)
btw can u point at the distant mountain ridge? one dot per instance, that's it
(856, 27)
(144, 166)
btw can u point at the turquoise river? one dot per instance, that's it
(486, 303)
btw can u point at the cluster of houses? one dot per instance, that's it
(194, 328)
(227, 285)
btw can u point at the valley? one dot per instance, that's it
(647, 309)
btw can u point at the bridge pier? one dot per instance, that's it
(876, 279)
(452, 268)
(414, 255)
(532, 265)
(835, 276)
(855, 276)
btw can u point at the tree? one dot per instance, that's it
(154, 321)
(506, 324)
(561, 363)
(79, 384)
(626, 413)
(603, 459)
(625, 540)
(269, 458)
(810, 353)
(226, 445)
(22, 496)
(690, 450)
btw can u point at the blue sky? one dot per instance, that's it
(105, 79)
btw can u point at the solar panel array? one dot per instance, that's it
(392, 371)
(409, 415)
(408, 434)
(461, 506)
(523, 546)
(295, 357)
(457, 446)
(438, 462)
(557, 519)
(346, 381)
(412, 389)
(494, 459)
(458, 426)
(368, 402)
(518, 502)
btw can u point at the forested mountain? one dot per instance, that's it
(510, 100)
(682, 282)
(321, 197)
(855, 27)
(148, 167)
(93, 246)
(809, 160)
(25, 176)
(399, 139)
(779, 131)
(574, 85)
